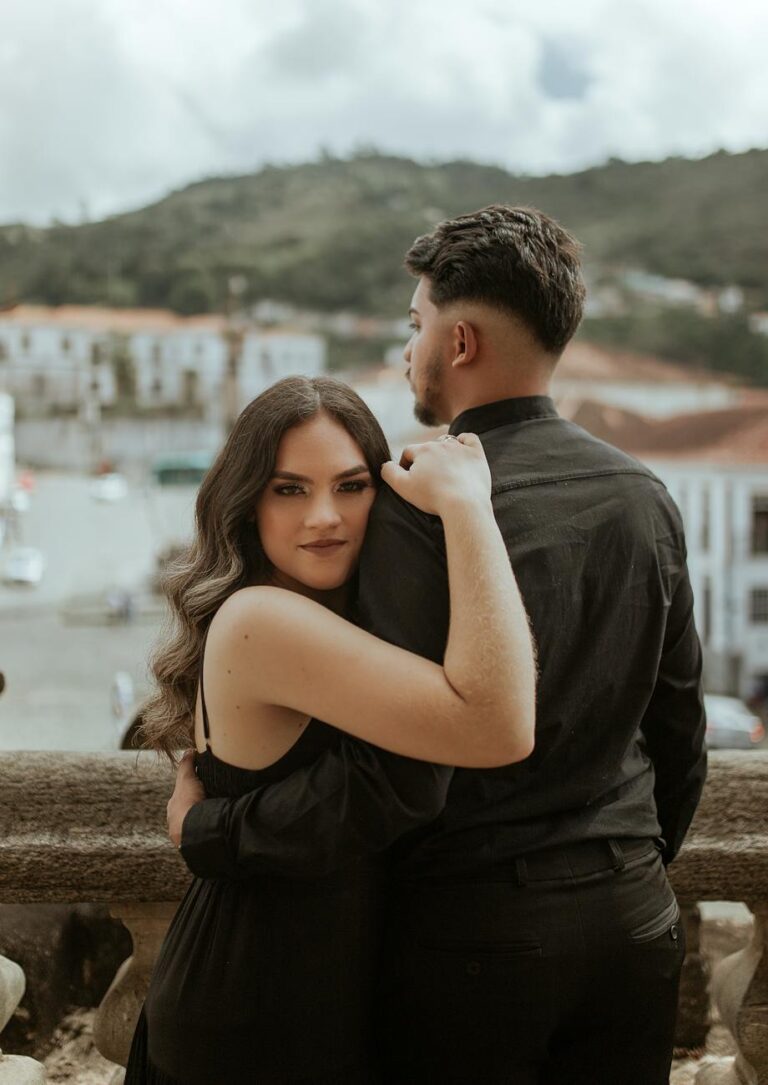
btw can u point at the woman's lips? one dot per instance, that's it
(324, 546)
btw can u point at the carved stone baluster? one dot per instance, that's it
(119, 1010)
(693, 1004)
(15, 1069)
(740, 989)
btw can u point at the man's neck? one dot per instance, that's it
(496, 393)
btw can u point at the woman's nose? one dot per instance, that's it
(323, 512)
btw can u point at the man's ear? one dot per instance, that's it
(464, 343)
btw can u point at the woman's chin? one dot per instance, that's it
(323, 581)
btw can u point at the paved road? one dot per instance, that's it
(58, 675)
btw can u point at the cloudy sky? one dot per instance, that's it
(108, 104)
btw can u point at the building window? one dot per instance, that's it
(760, 524)
(190, 387)
(157, 388)
(25, 342)
(682, 502)
(66, 344)
(3, 351)
(39, 385)
(95, 353)
(157, 353)
(706, 631)
(705, 517)
(758, 610)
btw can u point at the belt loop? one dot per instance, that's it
(616, 854)
(521, 871)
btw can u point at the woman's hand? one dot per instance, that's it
(439, 474)
(187, 791)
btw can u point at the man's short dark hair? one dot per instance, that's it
(516, 259)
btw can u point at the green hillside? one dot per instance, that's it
(331, 233)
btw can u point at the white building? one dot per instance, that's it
(54, 357)
(7, 453)
(715, 465)
(72, 356)
(271, 353)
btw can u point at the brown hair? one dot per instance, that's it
(516, 259)
(226, 553)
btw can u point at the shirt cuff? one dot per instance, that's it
(204, 841)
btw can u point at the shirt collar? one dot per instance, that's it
(501, 413)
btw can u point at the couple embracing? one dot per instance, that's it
(398, 876)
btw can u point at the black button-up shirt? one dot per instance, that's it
(598, 549)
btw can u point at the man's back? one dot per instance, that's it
(598, 550)
(532, 923)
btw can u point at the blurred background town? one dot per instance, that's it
(129, 340)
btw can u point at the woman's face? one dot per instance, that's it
(313, 512)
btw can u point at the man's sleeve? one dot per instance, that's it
(355, 799)
(674, 724)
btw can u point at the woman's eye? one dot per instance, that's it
(355, 487)
(413, 327)
(287, 491)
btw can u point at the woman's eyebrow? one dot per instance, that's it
(358, 470)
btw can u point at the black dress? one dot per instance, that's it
(267, 981)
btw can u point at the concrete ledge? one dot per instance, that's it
(91, 827)
(86, 827)
(725, 856)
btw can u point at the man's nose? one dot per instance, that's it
(407, 352)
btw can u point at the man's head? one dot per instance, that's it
(500, 293)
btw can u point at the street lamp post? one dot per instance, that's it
(234, 336)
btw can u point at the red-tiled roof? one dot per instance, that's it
(732, 436)
(97, 318)
(588, 361)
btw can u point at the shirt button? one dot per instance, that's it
(473, 968)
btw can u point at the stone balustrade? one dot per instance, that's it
(91, 828)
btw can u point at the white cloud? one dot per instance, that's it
(109, 103)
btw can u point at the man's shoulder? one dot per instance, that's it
(389, 507)
(556, 448)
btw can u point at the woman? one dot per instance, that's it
(260, 654)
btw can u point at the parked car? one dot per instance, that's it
(109, 487)
(731, 725)
(24, 565)
(127, 706)
(20, 500)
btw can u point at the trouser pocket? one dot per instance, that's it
(666, 920)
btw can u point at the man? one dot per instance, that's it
(533, 936)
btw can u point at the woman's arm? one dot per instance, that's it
(477, 710)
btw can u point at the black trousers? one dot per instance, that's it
(562, 969)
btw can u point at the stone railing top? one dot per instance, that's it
(91, 827)
(86, 827)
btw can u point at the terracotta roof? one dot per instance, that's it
(732, 436)
(587, 361)
(96, 318)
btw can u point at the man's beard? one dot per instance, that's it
(426, 408)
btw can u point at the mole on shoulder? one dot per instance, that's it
(246, 636)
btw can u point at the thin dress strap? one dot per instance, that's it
(206, 725)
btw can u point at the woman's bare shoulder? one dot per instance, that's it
(253, 608)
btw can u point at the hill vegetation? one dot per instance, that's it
(331, 234)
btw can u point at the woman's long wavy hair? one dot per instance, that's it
(226, 553)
